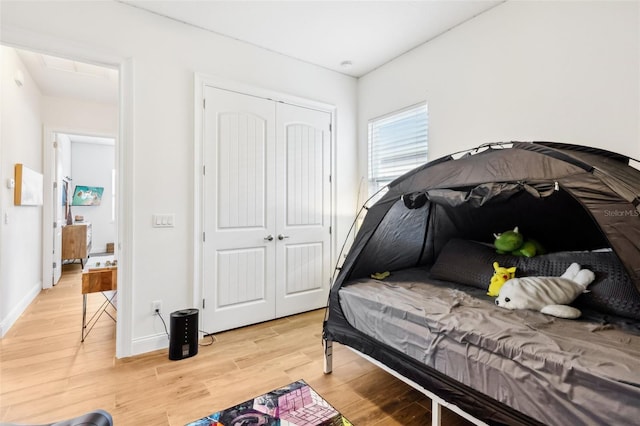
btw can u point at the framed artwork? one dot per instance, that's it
(87, 195)
(29, 186)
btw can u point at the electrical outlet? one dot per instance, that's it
(156, 306)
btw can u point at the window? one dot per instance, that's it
(397, 143)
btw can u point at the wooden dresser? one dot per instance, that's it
(76, 242)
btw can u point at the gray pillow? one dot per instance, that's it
(612, 292)
(469, 262)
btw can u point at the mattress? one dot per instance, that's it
(557, 371)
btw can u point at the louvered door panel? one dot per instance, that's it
(302, 255)
(241, 170)
(239, 263)
(305, 166)
(241, 276)
(303, 263)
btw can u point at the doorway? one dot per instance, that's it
(80, 164)
(52, 95)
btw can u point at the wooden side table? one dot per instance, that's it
(94, 280)
(76, 242)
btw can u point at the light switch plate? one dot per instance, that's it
(163, 220)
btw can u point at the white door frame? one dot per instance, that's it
(124, 161)
(200, 81)
(48, 210)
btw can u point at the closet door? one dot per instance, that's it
(239, 210)
(303, 144)
(266, 209)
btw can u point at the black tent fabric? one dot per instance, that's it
(568, 197)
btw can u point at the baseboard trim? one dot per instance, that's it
(12, 317)
(149, 344)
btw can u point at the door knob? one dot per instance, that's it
(282, 237)
(269, 237)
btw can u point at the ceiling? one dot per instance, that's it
(63, 78)
(95, 140)
(350, 37)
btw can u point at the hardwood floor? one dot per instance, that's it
(47, 374)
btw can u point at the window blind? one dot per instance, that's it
(398, 142)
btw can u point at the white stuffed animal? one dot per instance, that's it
(549, 295)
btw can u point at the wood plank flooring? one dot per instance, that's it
(47, 374)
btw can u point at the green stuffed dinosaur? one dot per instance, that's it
(513, 242)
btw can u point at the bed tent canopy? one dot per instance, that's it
(568, 197)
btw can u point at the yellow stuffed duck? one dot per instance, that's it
(500, 276)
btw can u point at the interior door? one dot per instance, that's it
(58, 216)
(304, 210)
(239, 210)
(266, 209)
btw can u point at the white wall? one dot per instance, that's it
(20, 233)
(165, 55)
(544, 70)
(92, 165)
(80, 117)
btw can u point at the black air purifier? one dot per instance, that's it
(183, 337)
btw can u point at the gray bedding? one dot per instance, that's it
(560, 372)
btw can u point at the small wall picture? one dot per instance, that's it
(87, 195)
(29, 186)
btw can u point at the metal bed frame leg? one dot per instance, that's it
(436, 402)
(436, 413)
(84, 315)
(328, 356)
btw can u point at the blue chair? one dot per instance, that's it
(93, 418)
